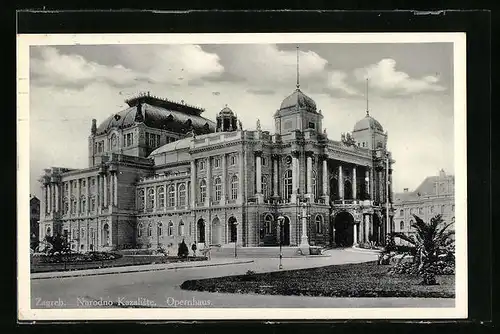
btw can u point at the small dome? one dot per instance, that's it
(368, 123)
(226, 111)
(298, 100)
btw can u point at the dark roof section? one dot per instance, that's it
(160, 114)
(165, 104)
(298, 100)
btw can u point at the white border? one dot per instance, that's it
(24, 299)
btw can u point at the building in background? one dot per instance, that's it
(159, 172)
(34, 219)
(435, 195)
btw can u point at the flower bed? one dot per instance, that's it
(38, 266)
(77, 257)
(350, 280)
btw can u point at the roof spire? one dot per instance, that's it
(298, 73)
(367, 110)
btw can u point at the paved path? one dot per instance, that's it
(161, 288)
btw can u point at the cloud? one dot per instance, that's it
(337, 82)
(384, 78)
(153, 64)
(265, 65)
(261, 91)
(54, 68)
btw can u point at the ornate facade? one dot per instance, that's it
(435, 195)
(159, 173)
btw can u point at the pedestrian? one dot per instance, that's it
(193, 247)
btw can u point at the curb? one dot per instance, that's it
(141, 270)
(363, 250)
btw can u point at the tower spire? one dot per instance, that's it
(367, 110)
(298, 75)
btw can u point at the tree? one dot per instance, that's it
(430, 240)
(58, 244)
(183, 250)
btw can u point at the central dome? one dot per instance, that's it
(298, 100)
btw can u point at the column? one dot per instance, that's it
(115, 184)
(224, 179)
(105, 190)
(240, 177)
(367, 228)
(98, 194)
(43, 206)
(56, 186)
(295, 176)
(325, 179)
(309, 175)
(49, 197)
(355, 227)
(258, 175)
(275, 176)
(367, 182)
(78, 196)
(88, 200)
(111, 192)
(354, 183)
(193, 184)
(209, 183)
(341, 183)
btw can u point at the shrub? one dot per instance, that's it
(183, 250)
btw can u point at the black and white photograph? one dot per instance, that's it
(242, 176)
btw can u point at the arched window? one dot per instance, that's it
(203, 190)
(182, 194)
(151, 198)
(170, 228)
(411, 223)
(268, 224)
(442, 208)
(264, 186)
(234, 187)
(401, 212)
(218, 188)
(432, 208)
(47, 232)
(160, 229)
(181, 228)
(319, 224)
(161, 197)
(140, 196)
(314, 188)
(150, 230)
(139, 230)
(83, 205)
(171, 196)
(401, 225)
(287, 185)
(420, 211)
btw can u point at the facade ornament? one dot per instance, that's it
(258, 125)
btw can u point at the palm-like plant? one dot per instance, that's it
(430, 240)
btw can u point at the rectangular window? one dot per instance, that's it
(263, 161)
(312, 125)
(217, 162)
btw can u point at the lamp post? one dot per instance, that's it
(280, 222)
(235, 239)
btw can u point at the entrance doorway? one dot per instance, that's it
(233, 228)
(201, 231)
(377, 230)
(216, 232)
(285, 234)
(344, 230)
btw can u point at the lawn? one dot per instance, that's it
(349, 280)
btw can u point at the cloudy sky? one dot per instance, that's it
(411, 93)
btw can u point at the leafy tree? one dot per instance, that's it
(430, 240)
(58, 243)
(183, 250)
